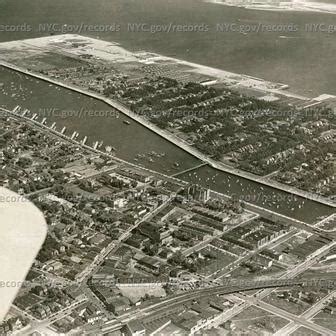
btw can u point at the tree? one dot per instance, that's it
(24, 162)
(177, 258)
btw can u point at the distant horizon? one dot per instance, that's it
(278, 5)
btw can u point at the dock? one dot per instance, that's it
(176, 141)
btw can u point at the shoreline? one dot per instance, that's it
(250, 207)
(299, 7)
(230, 79)
(176, 141)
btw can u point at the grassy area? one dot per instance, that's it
(136, 292)
(256, 321)
(304, 332)
(296, 308)
(325, 320)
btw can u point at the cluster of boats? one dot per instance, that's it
(150, 156)
(231, 184)
(14, 92)
(211, 179)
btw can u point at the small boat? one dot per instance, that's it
(126, 122)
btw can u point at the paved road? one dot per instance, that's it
(175, 301)
(173, 139)
(228, 269)
(166, 306)
(17, 311)
(288, 316)
(290, 274)
(311, 312)
(202, 244)
(93, 267)
(37, 325)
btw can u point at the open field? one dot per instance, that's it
(84, 47)
(325, 320)
(136, 293)
(255, 321)
(304, 332)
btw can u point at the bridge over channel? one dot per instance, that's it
(190, 169)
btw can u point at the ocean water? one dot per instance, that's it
(302, 59)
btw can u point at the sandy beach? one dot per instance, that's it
(297, 6)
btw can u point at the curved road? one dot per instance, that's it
(166, 306)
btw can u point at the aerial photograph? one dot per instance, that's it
(168, 167)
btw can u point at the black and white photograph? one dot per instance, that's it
(168, 167)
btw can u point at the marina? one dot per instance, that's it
(220, 181)
(182, 155)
